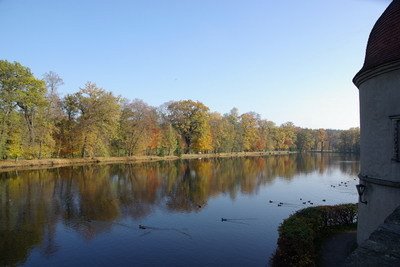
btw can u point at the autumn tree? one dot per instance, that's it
(249, 130)
(138, 125)
(97, 123)
(169, 140)
(350, 140)
(285, 136)
(191, 120)
(203, 142)
(322, 138)
(67, 146)
(333, 139)
(53, 81)
(15, 148)
(54, 111)
(233, 119)
(266, 131)
(304, 140)
(223, 133)
(35, 123)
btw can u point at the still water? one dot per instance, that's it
(165, 213)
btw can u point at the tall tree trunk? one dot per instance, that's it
(83, 153)
(40, 149)
(188, 143)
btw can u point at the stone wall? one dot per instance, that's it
(383, 246)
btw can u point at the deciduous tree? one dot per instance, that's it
(99, 112)
(191, 120)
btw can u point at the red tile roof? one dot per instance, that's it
(384, 41)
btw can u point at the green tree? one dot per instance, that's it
(9, 84)
(21, 93)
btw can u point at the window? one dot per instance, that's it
(396, 137)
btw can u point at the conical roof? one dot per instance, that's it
(383, 47)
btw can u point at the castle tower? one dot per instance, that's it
(379, 90)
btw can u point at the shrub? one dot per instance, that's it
(301, 234)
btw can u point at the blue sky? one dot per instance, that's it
(287, 60)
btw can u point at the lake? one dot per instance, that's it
(202, 212)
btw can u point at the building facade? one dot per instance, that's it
(379, 91)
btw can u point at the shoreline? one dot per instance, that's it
(25, 164)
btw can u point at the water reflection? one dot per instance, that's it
(90, 200)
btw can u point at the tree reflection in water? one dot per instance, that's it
(89, 200)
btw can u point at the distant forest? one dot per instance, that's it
(36, 122)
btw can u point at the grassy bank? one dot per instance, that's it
(301, 235)
(9, 165)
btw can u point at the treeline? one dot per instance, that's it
(36, 122)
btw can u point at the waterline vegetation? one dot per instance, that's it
(37, 123)
(301, 235)
(9, 165)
